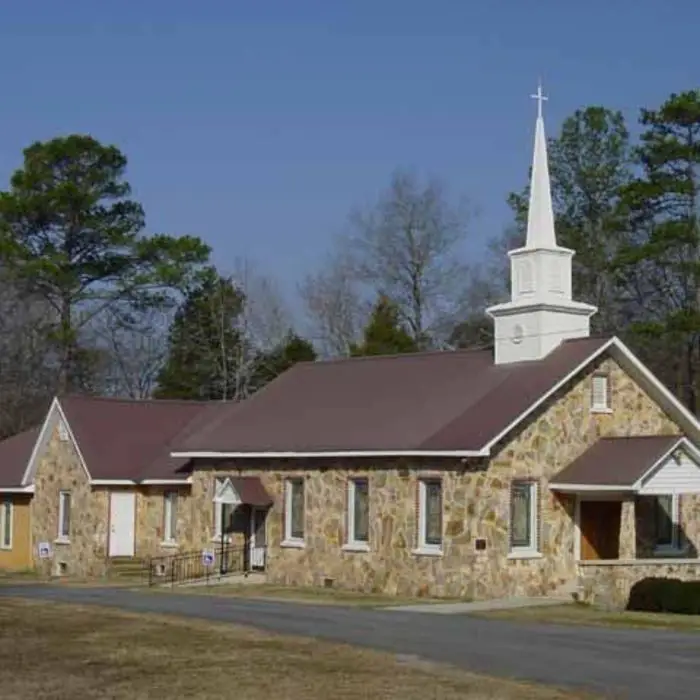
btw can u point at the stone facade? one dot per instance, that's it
(150, 519)
(475, 505)
(608, 584)
(476, 502)
(84, 553)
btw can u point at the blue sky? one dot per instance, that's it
(258, 125)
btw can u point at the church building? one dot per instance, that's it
(556, 463)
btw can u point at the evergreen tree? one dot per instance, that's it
(205, 343)
(71, 236)
(384, 334)
(281, 358)
(660, 262)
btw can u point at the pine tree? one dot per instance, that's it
(384, 334)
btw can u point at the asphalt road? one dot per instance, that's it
(622, 663)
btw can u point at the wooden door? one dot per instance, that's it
(600, 529)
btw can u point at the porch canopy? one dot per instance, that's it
(641, 465)
(242, 490)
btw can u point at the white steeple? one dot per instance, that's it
(541, 312)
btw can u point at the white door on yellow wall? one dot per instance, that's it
(122, 526)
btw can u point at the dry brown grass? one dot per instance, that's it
(63, 651)
(586, 615)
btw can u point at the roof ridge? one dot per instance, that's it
(120, 399)
(395, 356)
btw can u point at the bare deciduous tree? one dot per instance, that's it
(405, 247)
(334, 306)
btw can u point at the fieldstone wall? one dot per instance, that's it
(150, 512)
(59, 469)
(475, 505)
(608, 585)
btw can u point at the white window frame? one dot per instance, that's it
(63, 435)
(600, 406)
(289, 540)
(531, 550)
(352, 543)
(220, 485)
(62, 497)
(7, 511)
(425, 547)
(170, 499)
(675, 544)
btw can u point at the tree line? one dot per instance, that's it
(93, 303)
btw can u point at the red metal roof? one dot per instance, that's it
(438, 401)
(14, 457)
(616, 461)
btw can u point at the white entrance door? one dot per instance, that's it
(257, 538)
(122, 512)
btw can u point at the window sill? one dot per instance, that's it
(5, 547)
(169, 544)
(525, 554)
(427, 552)
(355, 547)
(293, 544)
(601, 409)
(672, 552)
(62, 540)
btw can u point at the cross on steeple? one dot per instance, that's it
(539, 96)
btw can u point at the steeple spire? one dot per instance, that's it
(541, 312)
(540, 215)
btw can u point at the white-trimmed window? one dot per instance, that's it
(523, 518)
(6, 524)
(430, 515)
(600, 392)
(666, 523)
(62, 431)
(64, 505)
(294, 511)
(170, 516)
(358, 514)
(225, 504)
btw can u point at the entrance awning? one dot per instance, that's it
(245, 490)
(636, 465)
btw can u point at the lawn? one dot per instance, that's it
(315, 595)
(61, 651)
(573, 614)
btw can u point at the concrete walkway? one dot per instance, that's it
(479, 605)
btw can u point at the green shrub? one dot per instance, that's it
(670, 595)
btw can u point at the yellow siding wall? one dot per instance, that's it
(19, 557)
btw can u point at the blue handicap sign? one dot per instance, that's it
(208, 558)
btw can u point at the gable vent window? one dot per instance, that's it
(62, 432)
(600, 393)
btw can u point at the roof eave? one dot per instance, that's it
(17, 489)
(592, 488)
(211, 454)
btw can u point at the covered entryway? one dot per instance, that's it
(122, 523)
(599, 524)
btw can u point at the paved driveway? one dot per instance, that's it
(639, 664)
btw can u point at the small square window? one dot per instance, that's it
(600, 392)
